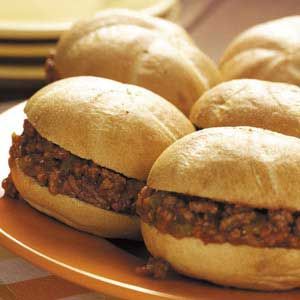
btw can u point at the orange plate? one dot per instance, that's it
(95, 263)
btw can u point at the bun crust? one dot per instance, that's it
(118, 126)
(74, 212)
(249, 102)
(269, 51)
(168, 10)
(225, 264)
(133, 48)
(241, 165)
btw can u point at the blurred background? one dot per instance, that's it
(29, 30)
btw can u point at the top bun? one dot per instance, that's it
(269, 51)
(249, 102)
(118, 126)
(134, 48)
(241, 165)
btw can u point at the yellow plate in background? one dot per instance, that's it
(47, 19)
(10, 49)
(26, 72)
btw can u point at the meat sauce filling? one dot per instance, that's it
(216, 222)
(155, 267)
(64, 173)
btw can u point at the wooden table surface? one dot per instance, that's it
(212, 24)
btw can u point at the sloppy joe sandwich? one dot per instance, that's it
(131, 47)
(86, 149)
(223, 204)
(268, 51)
(250, 102)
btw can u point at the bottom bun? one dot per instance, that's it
(225, 264)
(75, 213)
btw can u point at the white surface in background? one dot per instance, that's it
(10, 121)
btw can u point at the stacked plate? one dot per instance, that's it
(30, 29)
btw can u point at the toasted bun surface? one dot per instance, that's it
(241, 165)
(230, 265)
(269, 51)
(250, 102)
(130, 47)
(74, 212)
(118, 126)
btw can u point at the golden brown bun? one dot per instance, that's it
(118, 126)
(249, 102)
(74, 212)
(250, 166)
(134, 48)
(269, 51)
(230, 265)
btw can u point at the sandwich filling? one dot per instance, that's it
(65, 173)
(218, 222)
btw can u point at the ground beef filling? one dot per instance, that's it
(64, 173)
(216, 222)
(155, 267)
(10, 189)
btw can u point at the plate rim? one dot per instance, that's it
(59, 269)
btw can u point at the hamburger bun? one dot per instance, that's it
(225, 264)
(120, 127)
(240, 165)
(249, 102)
(167, 9)
(134, 48)
(268, 51)
(248, 166)
(73, 212)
